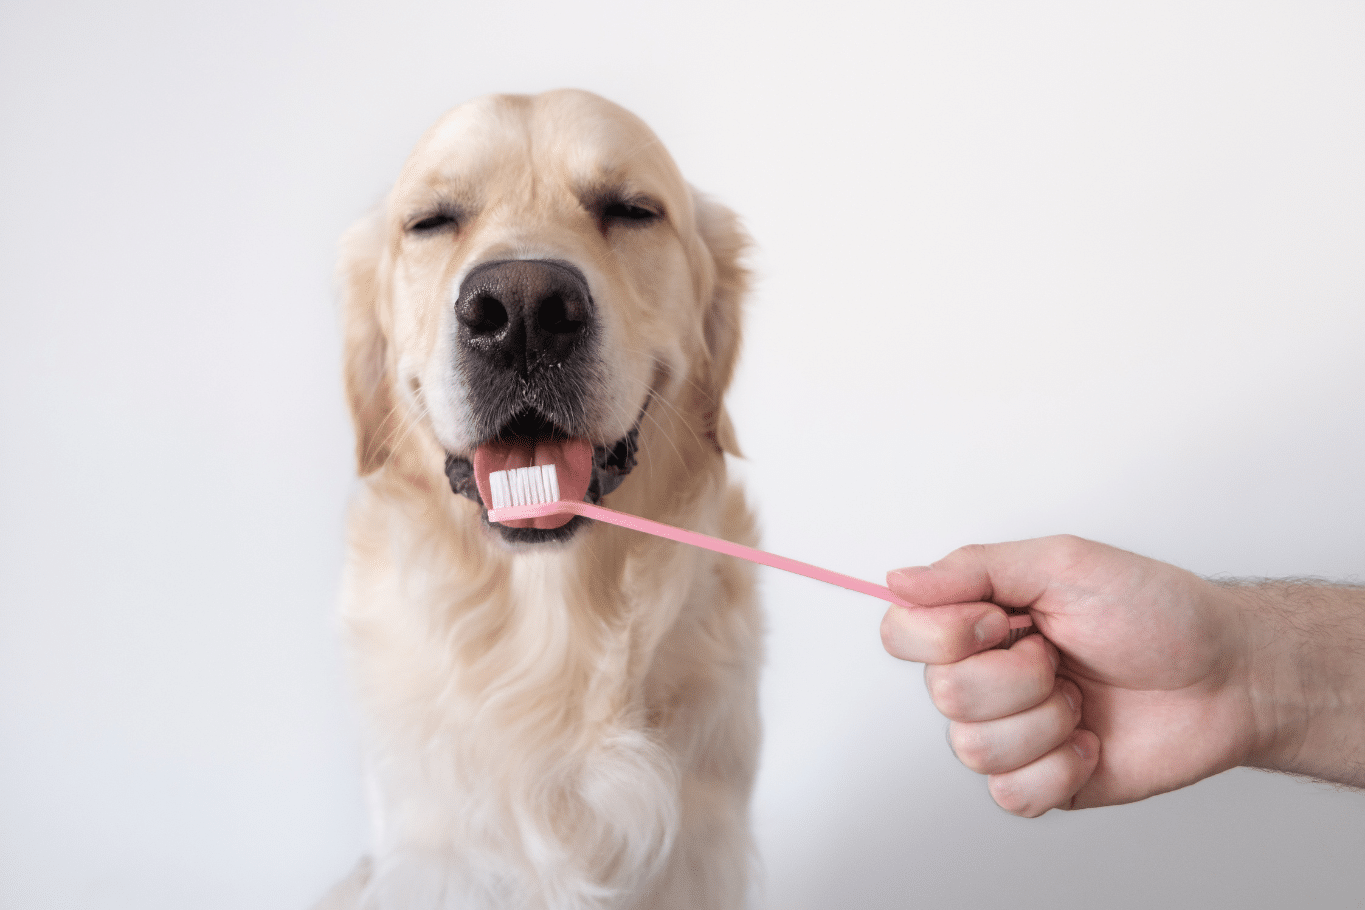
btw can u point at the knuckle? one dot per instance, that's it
(890, 632)
(1035, 665)
(1070, 550)
(1008, 795)
(972, 552)
(945, 691)
(970, 746)
(1043, 684)
(939, 643)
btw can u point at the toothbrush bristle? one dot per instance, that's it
(529, 486)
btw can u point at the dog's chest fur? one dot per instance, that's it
(537, 731)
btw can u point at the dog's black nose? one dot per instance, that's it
(522, 314)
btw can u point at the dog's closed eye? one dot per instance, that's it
(431, 223)
(628, 211)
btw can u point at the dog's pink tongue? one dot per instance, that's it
(572, 459)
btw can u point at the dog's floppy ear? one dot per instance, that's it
(368, 384)
(726, 242)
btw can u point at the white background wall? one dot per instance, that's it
(1024, 269)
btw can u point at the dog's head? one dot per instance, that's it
(539, 283)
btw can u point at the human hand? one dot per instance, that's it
(1140, 682)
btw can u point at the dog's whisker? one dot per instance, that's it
(395, 438)
(644, 389)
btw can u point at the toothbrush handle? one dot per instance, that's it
(729, 548)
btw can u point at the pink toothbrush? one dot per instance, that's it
(533, 492)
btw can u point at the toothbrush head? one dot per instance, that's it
(529, 486)
(522, 494)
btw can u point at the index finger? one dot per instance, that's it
(942, 635)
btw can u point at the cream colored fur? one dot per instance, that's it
(553, 725)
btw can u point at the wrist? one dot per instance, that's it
(1304, 647)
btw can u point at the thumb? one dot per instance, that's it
(1007, 574)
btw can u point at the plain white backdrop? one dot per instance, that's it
(1022, 269)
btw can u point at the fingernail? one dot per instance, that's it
(1071, 694)
(1082, 745)
(991, 628)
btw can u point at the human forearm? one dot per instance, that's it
(1306, 677)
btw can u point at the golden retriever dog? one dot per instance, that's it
(561, 714)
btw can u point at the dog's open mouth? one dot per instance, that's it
(585, 471)
(528, 440)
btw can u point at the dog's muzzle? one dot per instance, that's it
(526, 348)
(526, 339)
